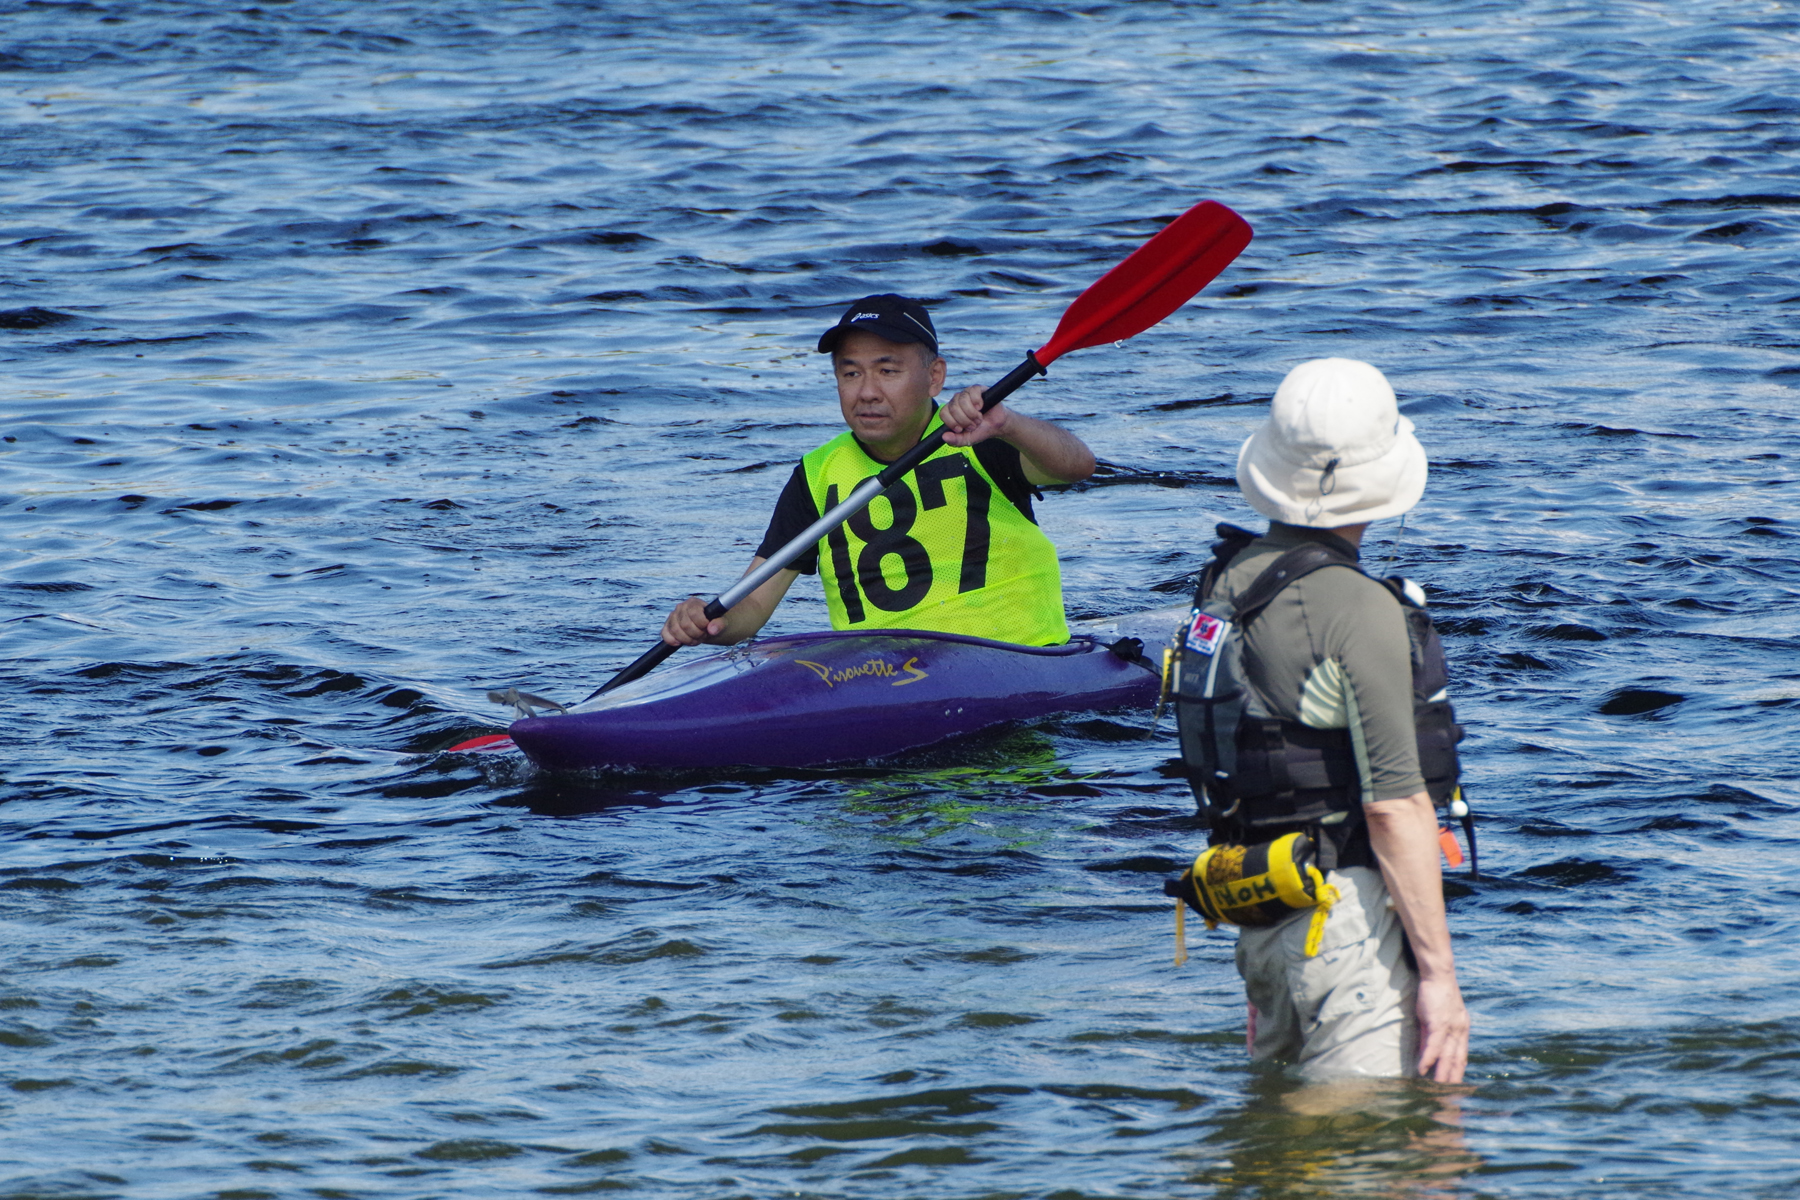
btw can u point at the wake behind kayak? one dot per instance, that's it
(815, 698)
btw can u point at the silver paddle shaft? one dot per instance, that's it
(733, 596)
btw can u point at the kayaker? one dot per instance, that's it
(955, 546)
(1330, 743)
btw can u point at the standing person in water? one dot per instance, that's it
(1311, 703)
(953, 547)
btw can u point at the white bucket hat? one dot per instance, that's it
(1334, 451)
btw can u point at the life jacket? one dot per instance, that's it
(941, 549)
(1257, 777)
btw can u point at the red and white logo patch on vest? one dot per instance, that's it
(1205, 633)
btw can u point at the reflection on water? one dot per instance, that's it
(908, 800)
(912, 807)
(573, 796)
(1387, 1139)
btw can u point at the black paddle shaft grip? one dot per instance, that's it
(653, 658)
(1015, 379)
(646, 662)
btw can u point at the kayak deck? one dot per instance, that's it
(813, 698)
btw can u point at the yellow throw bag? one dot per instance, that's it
(1255, 886)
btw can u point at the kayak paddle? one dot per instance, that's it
(1159, 277)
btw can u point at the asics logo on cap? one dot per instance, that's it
(886, 315)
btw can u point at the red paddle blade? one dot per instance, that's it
(489, 743)
(1159, 277)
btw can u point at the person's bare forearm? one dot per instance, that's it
(1051, 453)
(1403, 833)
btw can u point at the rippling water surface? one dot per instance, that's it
(360, 357)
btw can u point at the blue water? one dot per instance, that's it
(362, 357)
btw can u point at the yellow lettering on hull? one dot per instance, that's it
(879, 668)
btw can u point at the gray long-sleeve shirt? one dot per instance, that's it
(1331, 652)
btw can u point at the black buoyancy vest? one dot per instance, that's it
(1258, 777)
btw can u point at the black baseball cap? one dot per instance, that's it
(893, 317)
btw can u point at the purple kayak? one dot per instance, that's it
(813, 698)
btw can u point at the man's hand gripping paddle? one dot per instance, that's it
(1159, 277)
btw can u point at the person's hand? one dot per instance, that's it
(965, 423)
(1443, 1030)
(688, 626)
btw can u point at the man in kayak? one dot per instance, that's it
(954, 547)
(1330, 742)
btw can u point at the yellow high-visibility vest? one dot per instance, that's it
(942, 549)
